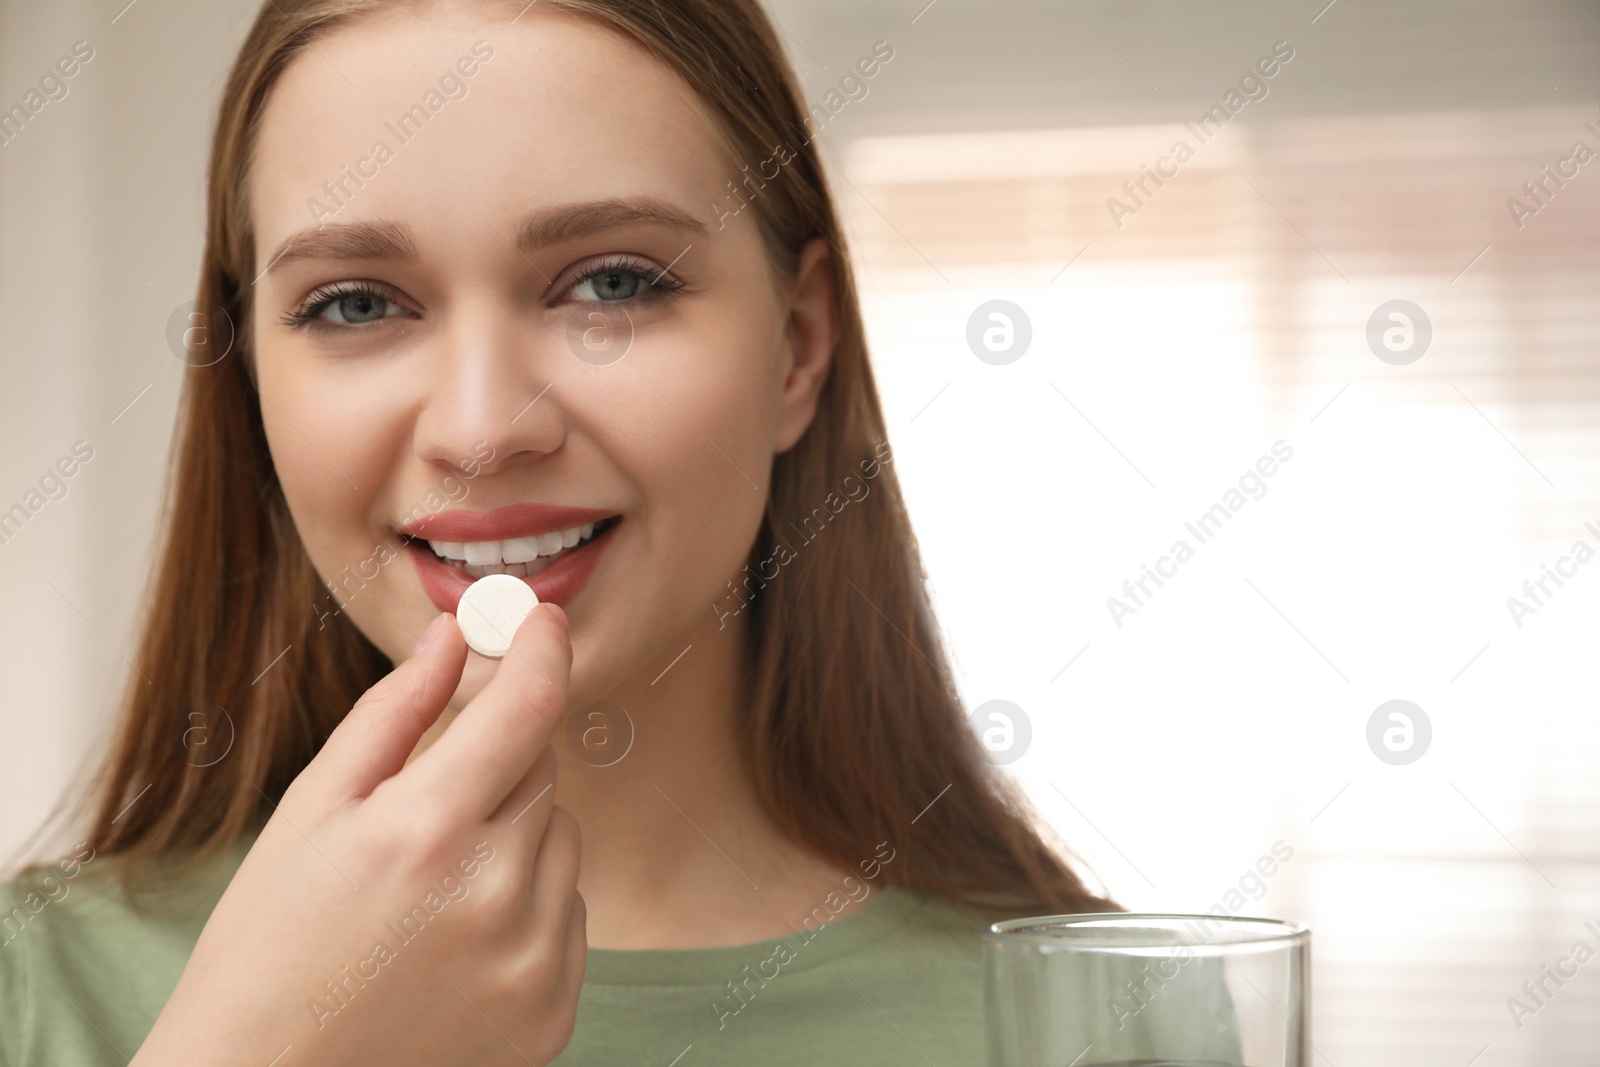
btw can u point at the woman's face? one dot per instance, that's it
(499, 320)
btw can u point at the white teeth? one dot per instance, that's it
(520, 550)
(517, 570)
(518, 555)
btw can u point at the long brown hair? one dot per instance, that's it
(854, 736)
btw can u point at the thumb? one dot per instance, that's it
(382, 730)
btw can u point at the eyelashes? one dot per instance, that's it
(640, 281)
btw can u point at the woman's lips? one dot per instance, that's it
(514, 520)
(559, 583)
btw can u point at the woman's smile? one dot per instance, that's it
(554, 549)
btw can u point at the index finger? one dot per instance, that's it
(491, 744)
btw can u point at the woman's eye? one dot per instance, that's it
(616, 282)
(611, 285)
(346, 307)
(357, 306)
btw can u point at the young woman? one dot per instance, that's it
(555, 290)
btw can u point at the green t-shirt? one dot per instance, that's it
(897, 981)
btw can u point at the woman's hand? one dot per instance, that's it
(404, 914)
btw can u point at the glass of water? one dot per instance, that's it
(1147, 991)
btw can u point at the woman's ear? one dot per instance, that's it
(810, 332)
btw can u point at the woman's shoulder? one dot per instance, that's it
(929, 923)
(84, 969)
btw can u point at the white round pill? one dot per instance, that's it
(491, 610)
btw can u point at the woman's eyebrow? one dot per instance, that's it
(391, 240)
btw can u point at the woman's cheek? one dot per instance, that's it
(712, 418)
(332, 456)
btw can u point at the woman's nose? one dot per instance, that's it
(491, 384)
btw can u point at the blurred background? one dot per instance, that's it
(1377, 268)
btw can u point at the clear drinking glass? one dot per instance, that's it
(1147, 991)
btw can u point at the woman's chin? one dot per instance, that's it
(474, 677)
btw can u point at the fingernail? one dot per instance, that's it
(560, 616)
(429, 634)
